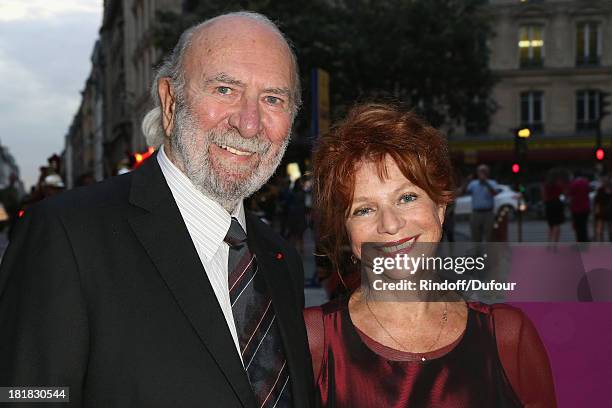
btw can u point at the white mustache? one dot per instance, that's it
(232, 138)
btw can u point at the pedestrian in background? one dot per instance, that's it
(483, 190)
(296, 216)
(580, 207)
(554, 186)
(602, 209)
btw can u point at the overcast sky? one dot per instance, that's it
(45, 51)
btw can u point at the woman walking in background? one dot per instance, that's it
(555, 184)
(580, 205)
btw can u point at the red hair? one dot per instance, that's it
(370, 133)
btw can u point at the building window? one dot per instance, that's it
(532, 111)
(531, 46)
(587, 109)
(588, 43)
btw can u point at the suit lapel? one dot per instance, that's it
(278, 279)
(164, 235)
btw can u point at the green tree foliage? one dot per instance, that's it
(429, 54)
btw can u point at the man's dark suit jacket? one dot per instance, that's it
(102, 290)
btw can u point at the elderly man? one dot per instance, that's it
(155, 289)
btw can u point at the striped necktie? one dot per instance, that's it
(259, 337)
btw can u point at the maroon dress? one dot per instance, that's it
(356, 372)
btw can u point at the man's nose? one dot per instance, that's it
(247, 118)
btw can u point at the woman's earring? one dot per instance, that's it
(354, 259)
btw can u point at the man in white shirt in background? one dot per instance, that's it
(483, 190)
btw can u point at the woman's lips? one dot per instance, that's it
(403, 245)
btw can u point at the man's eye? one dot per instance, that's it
(406, 198)
(224, 90)
(273, 100)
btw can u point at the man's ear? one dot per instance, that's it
(168, 104)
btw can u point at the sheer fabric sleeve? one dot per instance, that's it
(313, 317)
(523, 357)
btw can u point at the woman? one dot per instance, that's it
(383, 176)
(556, 182)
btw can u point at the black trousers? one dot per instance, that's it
(581, 221)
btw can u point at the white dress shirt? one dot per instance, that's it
(207, 223)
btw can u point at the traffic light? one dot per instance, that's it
(604, 104)
(521, 135)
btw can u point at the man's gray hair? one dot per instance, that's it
(173, 68)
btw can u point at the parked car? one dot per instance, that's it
(506, 198)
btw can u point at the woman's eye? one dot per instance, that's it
(406, 198)
(224, 90)
(362, 211)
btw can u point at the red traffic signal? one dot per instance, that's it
(600, 154)
(516, 168)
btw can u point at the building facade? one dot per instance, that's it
(117, 117)
(9, 169)
(106, 128)
(142, 56)
(129, 60)
(553, 59)
(84, 144)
